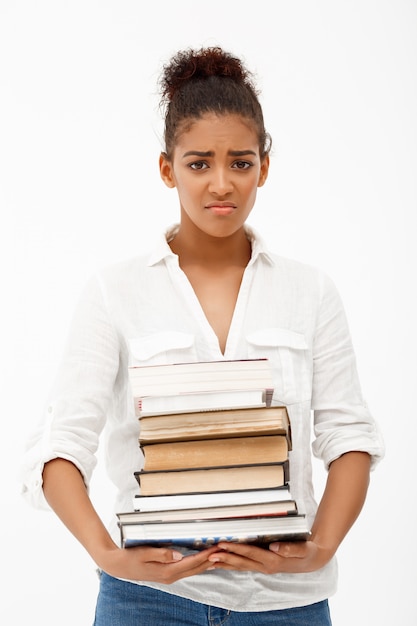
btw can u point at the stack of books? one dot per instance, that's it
(216, 463)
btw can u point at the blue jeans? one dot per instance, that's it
(126, 604)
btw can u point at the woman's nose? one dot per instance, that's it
(220, 182)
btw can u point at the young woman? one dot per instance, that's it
(229, 298)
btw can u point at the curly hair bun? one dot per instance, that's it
(195, 65)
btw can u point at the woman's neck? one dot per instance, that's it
(199, 248)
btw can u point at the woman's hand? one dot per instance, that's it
(162, 565)
(289, 557)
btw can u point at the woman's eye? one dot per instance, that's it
(242, 165)
(198, 165)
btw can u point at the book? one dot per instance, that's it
(244, 422)
(211, 385)
(258, 509)
(200, 401)
(199, 534)
(172, 378)
(214, 452)
(223, 478)
(209, 499)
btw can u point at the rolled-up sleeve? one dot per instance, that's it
(342, 421)
(80, 397)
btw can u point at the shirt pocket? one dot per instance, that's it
(162, 348)
(288, 354)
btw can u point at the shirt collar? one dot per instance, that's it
(162, 249)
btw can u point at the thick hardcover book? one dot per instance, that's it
(210, 499)
(213, 452)
(244, 422)
(224, 478)
(197, 535)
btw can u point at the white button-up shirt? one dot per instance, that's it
(144, 311)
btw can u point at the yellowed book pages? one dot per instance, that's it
(215, 424)
(213, 479)
(213, 452)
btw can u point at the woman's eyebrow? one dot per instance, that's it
(210, 153)
(238, 153)
(197, 153)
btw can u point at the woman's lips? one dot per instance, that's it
(221, 208)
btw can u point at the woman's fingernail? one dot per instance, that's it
(274, 547)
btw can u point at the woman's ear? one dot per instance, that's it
(263, 175)
(165, 170)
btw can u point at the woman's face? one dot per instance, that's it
(216, 169)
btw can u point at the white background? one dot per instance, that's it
(79, 189)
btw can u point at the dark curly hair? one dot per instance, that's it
(209, 80)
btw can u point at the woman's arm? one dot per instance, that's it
(67, 495)
(342, 501)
